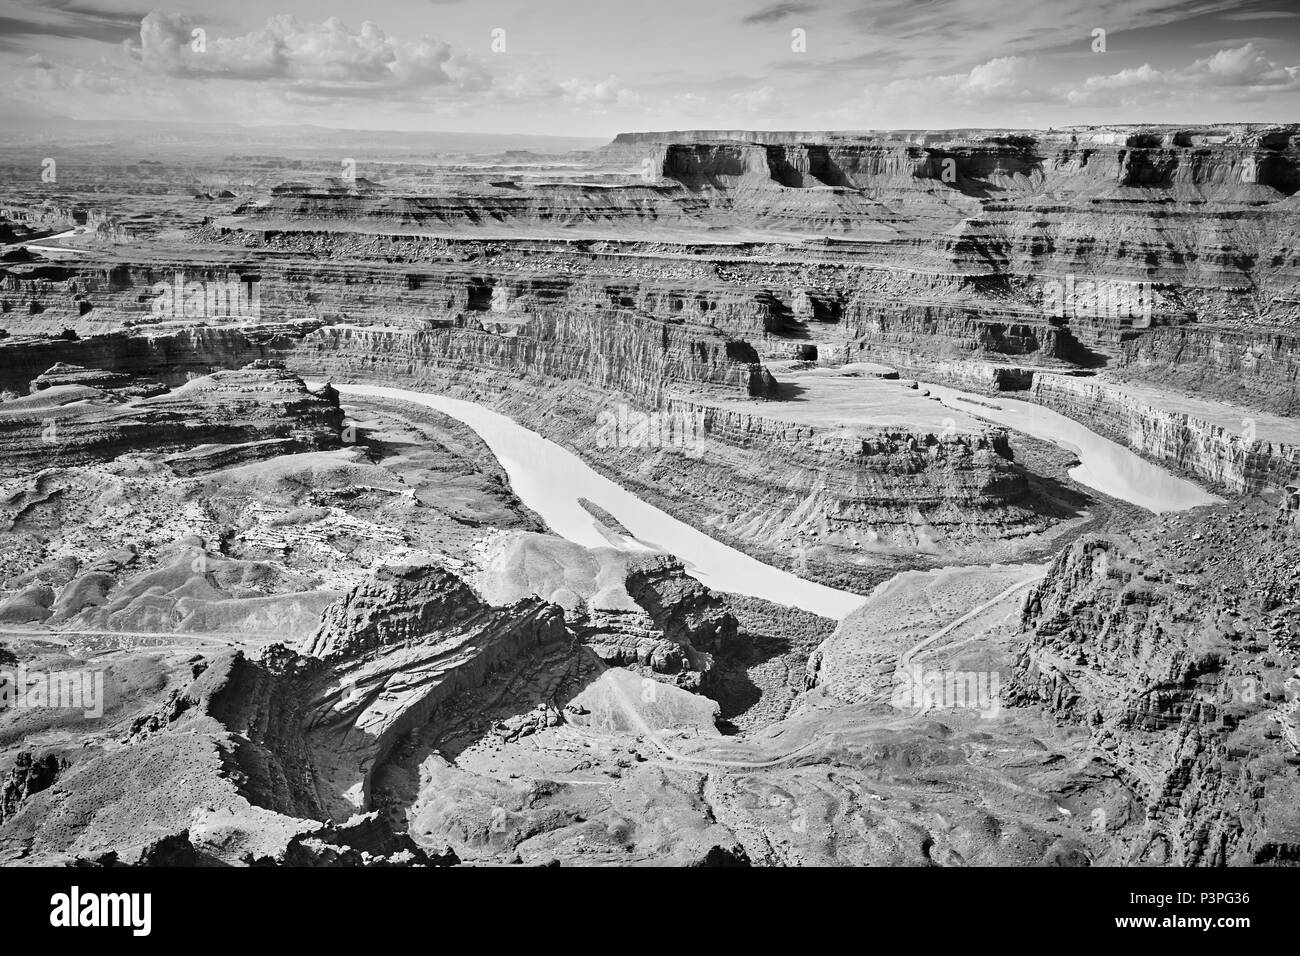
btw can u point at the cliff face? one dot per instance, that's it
(932, 252)
(485, 206)
(400, 604)
(614, 335)
(1258, 368)
(1222, 456)
(398, 646)
(214, 770)
(810, 498)
(850, 166)
(1203, 216)
(1019, 163)
(894, 489)
(686, 610)
(923, 269)
(913, 336)
(818, 497)
(623, 353)
(1178, 652)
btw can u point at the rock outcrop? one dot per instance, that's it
(1179, 653)
(398, 647)
(30, 775)
(248, 760)
(262, 408)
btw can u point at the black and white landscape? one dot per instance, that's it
(841, 432)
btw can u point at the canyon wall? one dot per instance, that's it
(791, 493)
(1218, 455)
(1258, 368)
(398, 646)
(934, 253)
(456, 318)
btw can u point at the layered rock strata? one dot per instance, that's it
(1230, 458)
(398, 646)
(263, 409)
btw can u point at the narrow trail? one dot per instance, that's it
(675, 756)
(634, 717)
(905, 660)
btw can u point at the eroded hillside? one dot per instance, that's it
(335, 625)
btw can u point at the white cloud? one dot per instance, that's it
(1001, 79)
(1228, 73)
(599, 93)
(1244, 66)
(946, 63)
(327, 55)
(1097, 88)
(1003, 76)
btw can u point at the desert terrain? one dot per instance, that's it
(701, 498)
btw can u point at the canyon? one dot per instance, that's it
(704, 498)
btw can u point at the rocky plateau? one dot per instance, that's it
(311, 625)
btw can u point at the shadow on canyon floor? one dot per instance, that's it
(732, 684)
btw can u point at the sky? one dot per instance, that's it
(598, 67)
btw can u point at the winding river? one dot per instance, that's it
(550, 480)
(55, 252)
(1104, 465)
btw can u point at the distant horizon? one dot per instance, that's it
(661, 131)
(509, 67)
